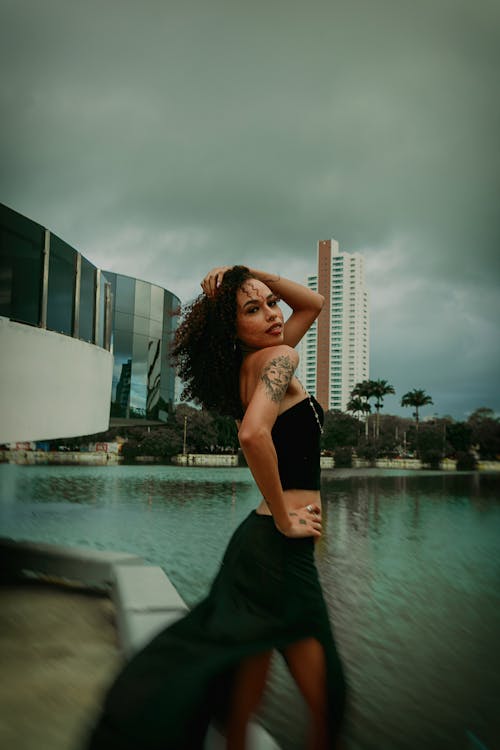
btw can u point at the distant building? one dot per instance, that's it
(335, 351)
(122, 392)
(144, 320)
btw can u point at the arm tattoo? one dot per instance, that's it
(276, 376)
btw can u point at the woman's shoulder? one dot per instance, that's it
(275, 354)
(280, 359)
(281, 356)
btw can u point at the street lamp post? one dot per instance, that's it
(184, 438)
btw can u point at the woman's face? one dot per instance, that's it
(259, 320)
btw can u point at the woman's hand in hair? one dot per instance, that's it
(213, 280)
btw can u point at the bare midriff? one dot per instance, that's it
(294, 499)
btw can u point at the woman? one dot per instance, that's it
(235, 354)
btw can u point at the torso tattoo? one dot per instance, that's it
(276, 376)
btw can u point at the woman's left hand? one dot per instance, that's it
(213, 280)
(304, 522)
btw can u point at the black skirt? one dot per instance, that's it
(266, 595)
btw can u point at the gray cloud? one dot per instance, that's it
(160, 138)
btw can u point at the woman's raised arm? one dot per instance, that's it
(305, 303)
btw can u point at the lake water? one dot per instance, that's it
(410, 564)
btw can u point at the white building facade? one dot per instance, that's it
(335, 351)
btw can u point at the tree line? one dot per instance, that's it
(363, 392)
(375, 435)
(359, 431)
(187, 430)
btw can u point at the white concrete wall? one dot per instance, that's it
(205, 459)
(51, 385)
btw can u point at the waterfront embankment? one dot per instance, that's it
(59, 458)
(210, 460)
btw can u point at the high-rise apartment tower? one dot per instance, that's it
(335, 351)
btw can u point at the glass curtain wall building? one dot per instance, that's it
(144, 318)
(44, 282)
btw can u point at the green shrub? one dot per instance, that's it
(465, 461)
(431, 457)
(343, 457)
(130, 450)
(368, 452)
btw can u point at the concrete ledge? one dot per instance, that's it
(144, 598)
(143, 587)
(146, 602)
(257, 739)
(136, 629)
(205, 459)
(92, 567)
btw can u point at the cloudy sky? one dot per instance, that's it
(161, 138)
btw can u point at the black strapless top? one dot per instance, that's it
(296, 436)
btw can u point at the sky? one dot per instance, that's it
(161, 139)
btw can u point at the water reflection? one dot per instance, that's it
(416, 606)
(87, 486)
(409, 561)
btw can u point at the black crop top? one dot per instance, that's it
(296, 437)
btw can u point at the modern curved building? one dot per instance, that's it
(60, 320)
(143, 326)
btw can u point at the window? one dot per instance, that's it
(142, 302)
(122, 373)
(125, 294)
(21, 266)
(87, 300)
(61, 286)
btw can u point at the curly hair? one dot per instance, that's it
(206, 350)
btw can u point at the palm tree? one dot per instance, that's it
(358, 406)
(379, 389)
(362, 391)
(416, 398)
